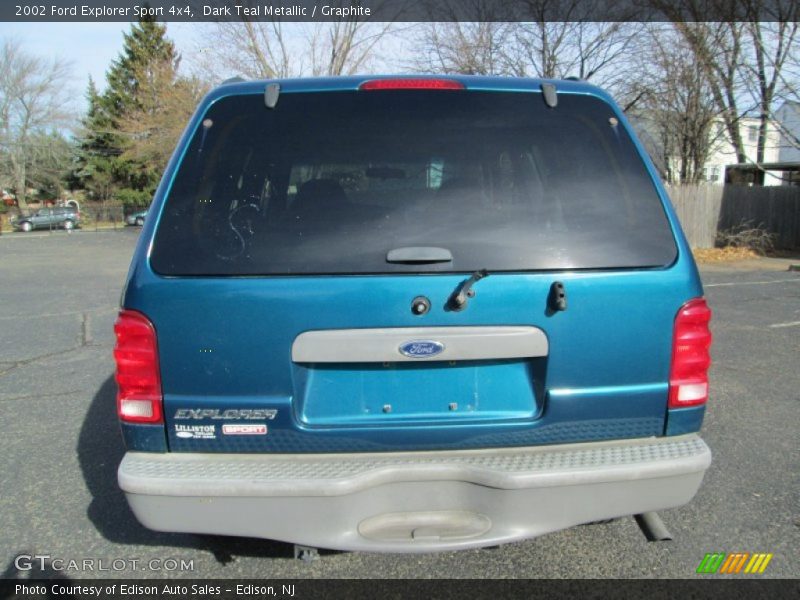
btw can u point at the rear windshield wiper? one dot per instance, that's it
(419, 254)
(458, 301)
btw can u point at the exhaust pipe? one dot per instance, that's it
(653, 527)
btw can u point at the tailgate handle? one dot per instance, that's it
(419, 254)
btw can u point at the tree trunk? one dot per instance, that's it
(21, 200)
(18, 169)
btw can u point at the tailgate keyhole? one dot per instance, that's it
(420, 305)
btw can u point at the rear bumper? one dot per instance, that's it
(412, 502)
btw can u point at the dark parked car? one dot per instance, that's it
(407, 315)
(48, 218)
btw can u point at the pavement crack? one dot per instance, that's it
(99, 310)
(29, 396)
(5, 367)
(29, 361)
(86, 330)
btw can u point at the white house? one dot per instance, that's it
(788, 120)
(722, 153)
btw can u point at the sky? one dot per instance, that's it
(90, 47)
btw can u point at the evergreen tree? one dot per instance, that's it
(131, 129)
(146, 54)
(96, 149)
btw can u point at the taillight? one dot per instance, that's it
(688, 377)
(139, 396)
(419, 83)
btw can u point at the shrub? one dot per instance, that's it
(131, 199)
(745, 235)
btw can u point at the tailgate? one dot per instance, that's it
(522, 376)
(290, 240)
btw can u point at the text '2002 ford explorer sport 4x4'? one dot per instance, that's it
(408, 315)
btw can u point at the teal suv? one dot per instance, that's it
(408, 315)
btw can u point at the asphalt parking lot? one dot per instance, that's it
(60, 445)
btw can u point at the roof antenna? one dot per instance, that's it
(271, 94)
(550, 96)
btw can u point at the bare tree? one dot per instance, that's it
(547, 46)
(467, 48)
(718, 49)
(771, 44)
(274, 49)
(790, 75)
(32, 103)
(253, 49)
(789, 91)
(747, 60)
(344, 47)
(562, 38)
(676, 104)
(447, 44)
(596, 52)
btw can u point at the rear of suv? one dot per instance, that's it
(408, 315)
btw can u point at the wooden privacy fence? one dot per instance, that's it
(705, 210)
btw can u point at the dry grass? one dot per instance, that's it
(746, 235)
(713, 255)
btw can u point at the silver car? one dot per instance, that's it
(48, 218)
(136, 218)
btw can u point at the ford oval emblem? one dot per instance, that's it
(421, 348)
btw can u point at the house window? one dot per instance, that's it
(752, 133)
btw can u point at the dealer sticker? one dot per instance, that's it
(244, 429)
(196, 432)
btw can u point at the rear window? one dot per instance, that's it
(330, 182)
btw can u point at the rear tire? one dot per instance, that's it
(139, 221)
(26, 227)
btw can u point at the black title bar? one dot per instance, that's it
(490, 589)
(398, 10)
